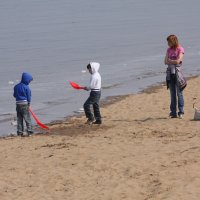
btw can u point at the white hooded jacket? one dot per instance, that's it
(95, 81)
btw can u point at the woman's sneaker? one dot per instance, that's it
(180, 116)
(171, 115)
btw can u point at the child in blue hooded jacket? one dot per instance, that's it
(22, 94)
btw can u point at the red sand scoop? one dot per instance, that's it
(37, 120)
(76, 86)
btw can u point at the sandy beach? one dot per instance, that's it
(138, 153)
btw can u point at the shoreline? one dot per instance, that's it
(109, 100)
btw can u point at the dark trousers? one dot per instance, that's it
(93, 100)
(23, 115)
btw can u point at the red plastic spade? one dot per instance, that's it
(75, 85)
(37, 120)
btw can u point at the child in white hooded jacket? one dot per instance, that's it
(95, 94)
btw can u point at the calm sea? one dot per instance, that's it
(55, 40)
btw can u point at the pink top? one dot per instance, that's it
(173, 54)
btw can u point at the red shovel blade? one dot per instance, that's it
(37, 120)
(75, 85)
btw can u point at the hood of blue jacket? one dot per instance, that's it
(26, 78)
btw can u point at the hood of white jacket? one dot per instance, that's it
(95, 80)
(95, 67)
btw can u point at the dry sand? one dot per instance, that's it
(139, 153)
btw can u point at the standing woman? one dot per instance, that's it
(175, 80)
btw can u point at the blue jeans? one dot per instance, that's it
(23, 115)
(93, 100)
(174, 93)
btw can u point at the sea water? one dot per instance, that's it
(55, 40)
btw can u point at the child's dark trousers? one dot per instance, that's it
(93, 100)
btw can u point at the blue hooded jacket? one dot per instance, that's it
(22, 92)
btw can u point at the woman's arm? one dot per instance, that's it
(166, 59)
(177, 61)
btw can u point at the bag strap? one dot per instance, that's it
(194, 101)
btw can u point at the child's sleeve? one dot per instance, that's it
(28, 93)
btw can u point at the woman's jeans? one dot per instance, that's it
(23, 114)
(93, 100)
(174, 93)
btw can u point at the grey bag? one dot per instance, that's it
(196, 112)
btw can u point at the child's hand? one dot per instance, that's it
(86, 88)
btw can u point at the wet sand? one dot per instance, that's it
(138, 153)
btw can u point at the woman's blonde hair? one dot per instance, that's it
(173, 40)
